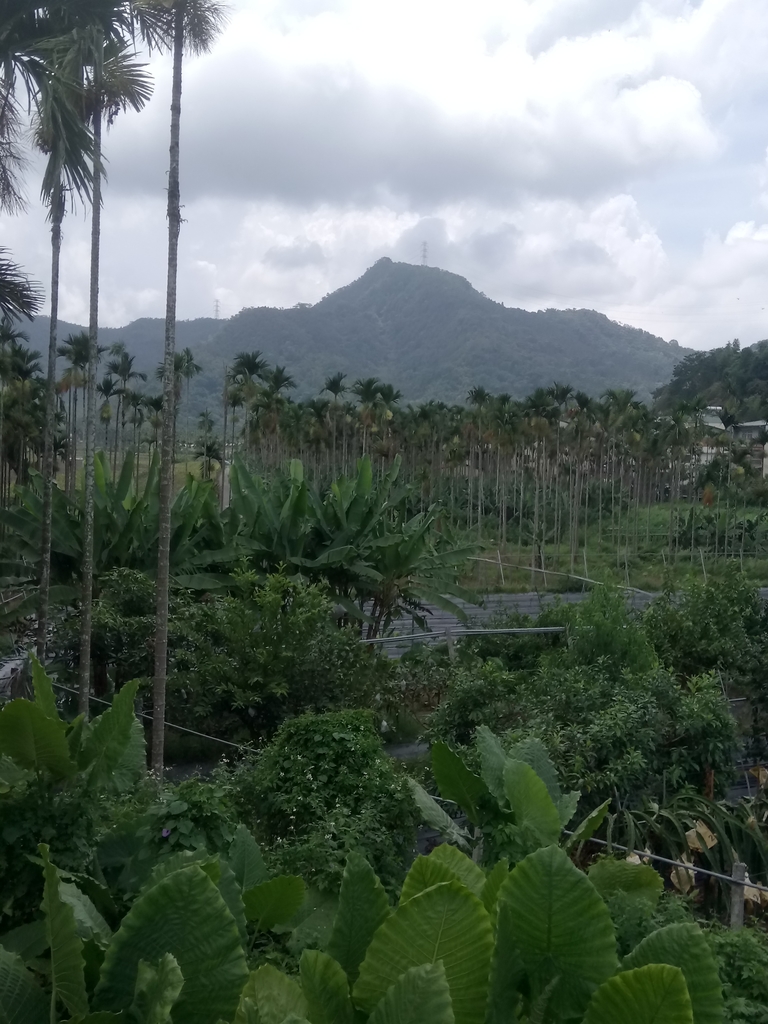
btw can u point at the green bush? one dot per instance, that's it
(322, 788)
(742, 958)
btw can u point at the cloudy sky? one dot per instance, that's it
(601, 153)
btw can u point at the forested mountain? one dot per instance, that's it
(731, 376)
(426, 331)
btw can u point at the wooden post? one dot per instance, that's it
(739, 873)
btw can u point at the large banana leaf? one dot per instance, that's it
(67, 966)
(22, 1001)
(326, 989)
(363, 908)
(649, 995)
(446, 923)
(561, 929)
(45, 698)
(419, 996)
(185, 915)
(684, 946)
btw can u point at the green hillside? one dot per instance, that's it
(731, 376)
(426, 331)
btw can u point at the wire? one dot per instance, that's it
(170, 725)
(437, 635)
(676, 863)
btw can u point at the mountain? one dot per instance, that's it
(426, 331)
(731, 376)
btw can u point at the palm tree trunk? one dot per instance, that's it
(57, 215)
(224, 444)
(86, 611)
(166, 458)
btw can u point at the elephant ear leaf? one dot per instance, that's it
(109, 737)
(274, 902)
(533, 752)
(67, 964)
(684, 946)
(530, 802)
(492, 760)
(587, 828)
(559, 927)
(326, 989)
(456, 782)
(461, 867)
(655, 994)
(33, 740)
(45, 698)
(22, 1001)
(275, 996)
(419, 995)
(363, 907)
(445, 923)
(157, 989)
(186, 916)
(434, 816)
(246, 860)
(639, 882)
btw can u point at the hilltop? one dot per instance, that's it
(424, 330)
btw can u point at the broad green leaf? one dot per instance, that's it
(326, 989)
(456, 782)
(530, 802)
(446, 923)
(638, 881)
(132, 764)
(567, 806)
(28, 940)
(507, 971)
(275, 995)
(655, 994)
(434, 816)
(34, 741)
(420, 996)
(109, 737)
(11, 775)
(45, 698)
(232, 895)
(561, 928)
(684, 946)
(67, 977)
(157, 989)
(462, 866)
(363, 907)
(533, 752)
(492, 759)
(493, 883)
(90, 924)
(246, 860)
(587, 828)
(423, 874)
(22, 1001)
(185, 915)
(274, 902)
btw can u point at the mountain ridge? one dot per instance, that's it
(427, 331)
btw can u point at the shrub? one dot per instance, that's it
(322, 788)
(742, 958)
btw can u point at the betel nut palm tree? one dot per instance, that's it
(192, 25)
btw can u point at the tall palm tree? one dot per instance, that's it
(190, 369)
(107, 389)
(122, 367)
(194, 25)
(367, 391)
(336, 388)
(19, 297)
(247, 370)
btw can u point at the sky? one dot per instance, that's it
(607, 154)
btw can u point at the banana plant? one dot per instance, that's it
(515, 804)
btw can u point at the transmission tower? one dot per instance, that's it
(216, 309)
(424, 254)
